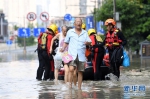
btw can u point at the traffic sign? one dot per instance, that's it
(37, 31)
(100, 29)
(67, 17)
(59, 29)
(9, 42)
(89, 22)
(31, 16)
(24, 32)
(44, 16)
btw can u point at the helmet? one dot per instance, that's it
(112, 21)
(90, 31)
(83, 26)
(53, 27)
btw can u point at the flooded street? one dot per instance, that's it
(18, 73)
(94, 36)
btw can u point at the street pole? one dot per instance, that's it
(114, 9)
(24, 38)
(95, 1)
(95, 15)
(1, 24)
(24, 44)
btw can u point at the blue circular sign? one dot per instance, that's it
(59, 29)
(67, 17)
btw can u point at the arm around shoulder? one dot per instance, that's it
(52, 42)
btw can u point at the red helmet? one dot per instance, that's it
(108, 21)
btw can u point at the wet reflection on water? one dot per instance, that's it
(18, 72)
(17, 56)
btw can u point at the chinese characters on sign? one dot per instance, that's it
(134, 90)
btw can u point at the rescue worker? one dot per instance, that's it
(97, 53)
(114, 41)
(46, 62)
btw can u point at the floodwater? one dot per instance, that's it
(18, 73)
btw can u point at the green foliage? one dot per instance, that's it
(134, 17)
(29, 41)
(148, 37)
(40, 25)
(15, 27)
(30, 25)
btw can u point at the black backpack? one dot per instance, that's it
(117, 56)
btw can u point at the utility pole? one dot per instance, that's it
(95, 1)
(24, 37)
(24, 27)
(95, 15)
(114, 9)
(1, 17)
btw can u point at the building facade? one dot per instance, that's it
(16, 10)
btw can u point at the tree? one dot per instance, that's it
(134, 16)
(30, 25)
(29, 41)
(15, 27)
(148, 37)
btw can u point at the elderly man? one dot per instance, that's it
(76, 39)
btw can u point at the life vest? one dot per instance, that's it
(98, 39)
(112, 39)
(42, 41)
(87, 52)
(106, 60)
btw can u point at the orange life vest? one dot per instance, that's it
(106, 60)
(112, 39)
(44, 41)
(87, 52)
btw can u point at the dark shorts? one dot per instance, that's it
(79, 64)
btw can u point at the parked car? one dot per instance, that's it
(2, 39)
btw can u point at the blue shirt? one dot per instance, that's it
(77, 44)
